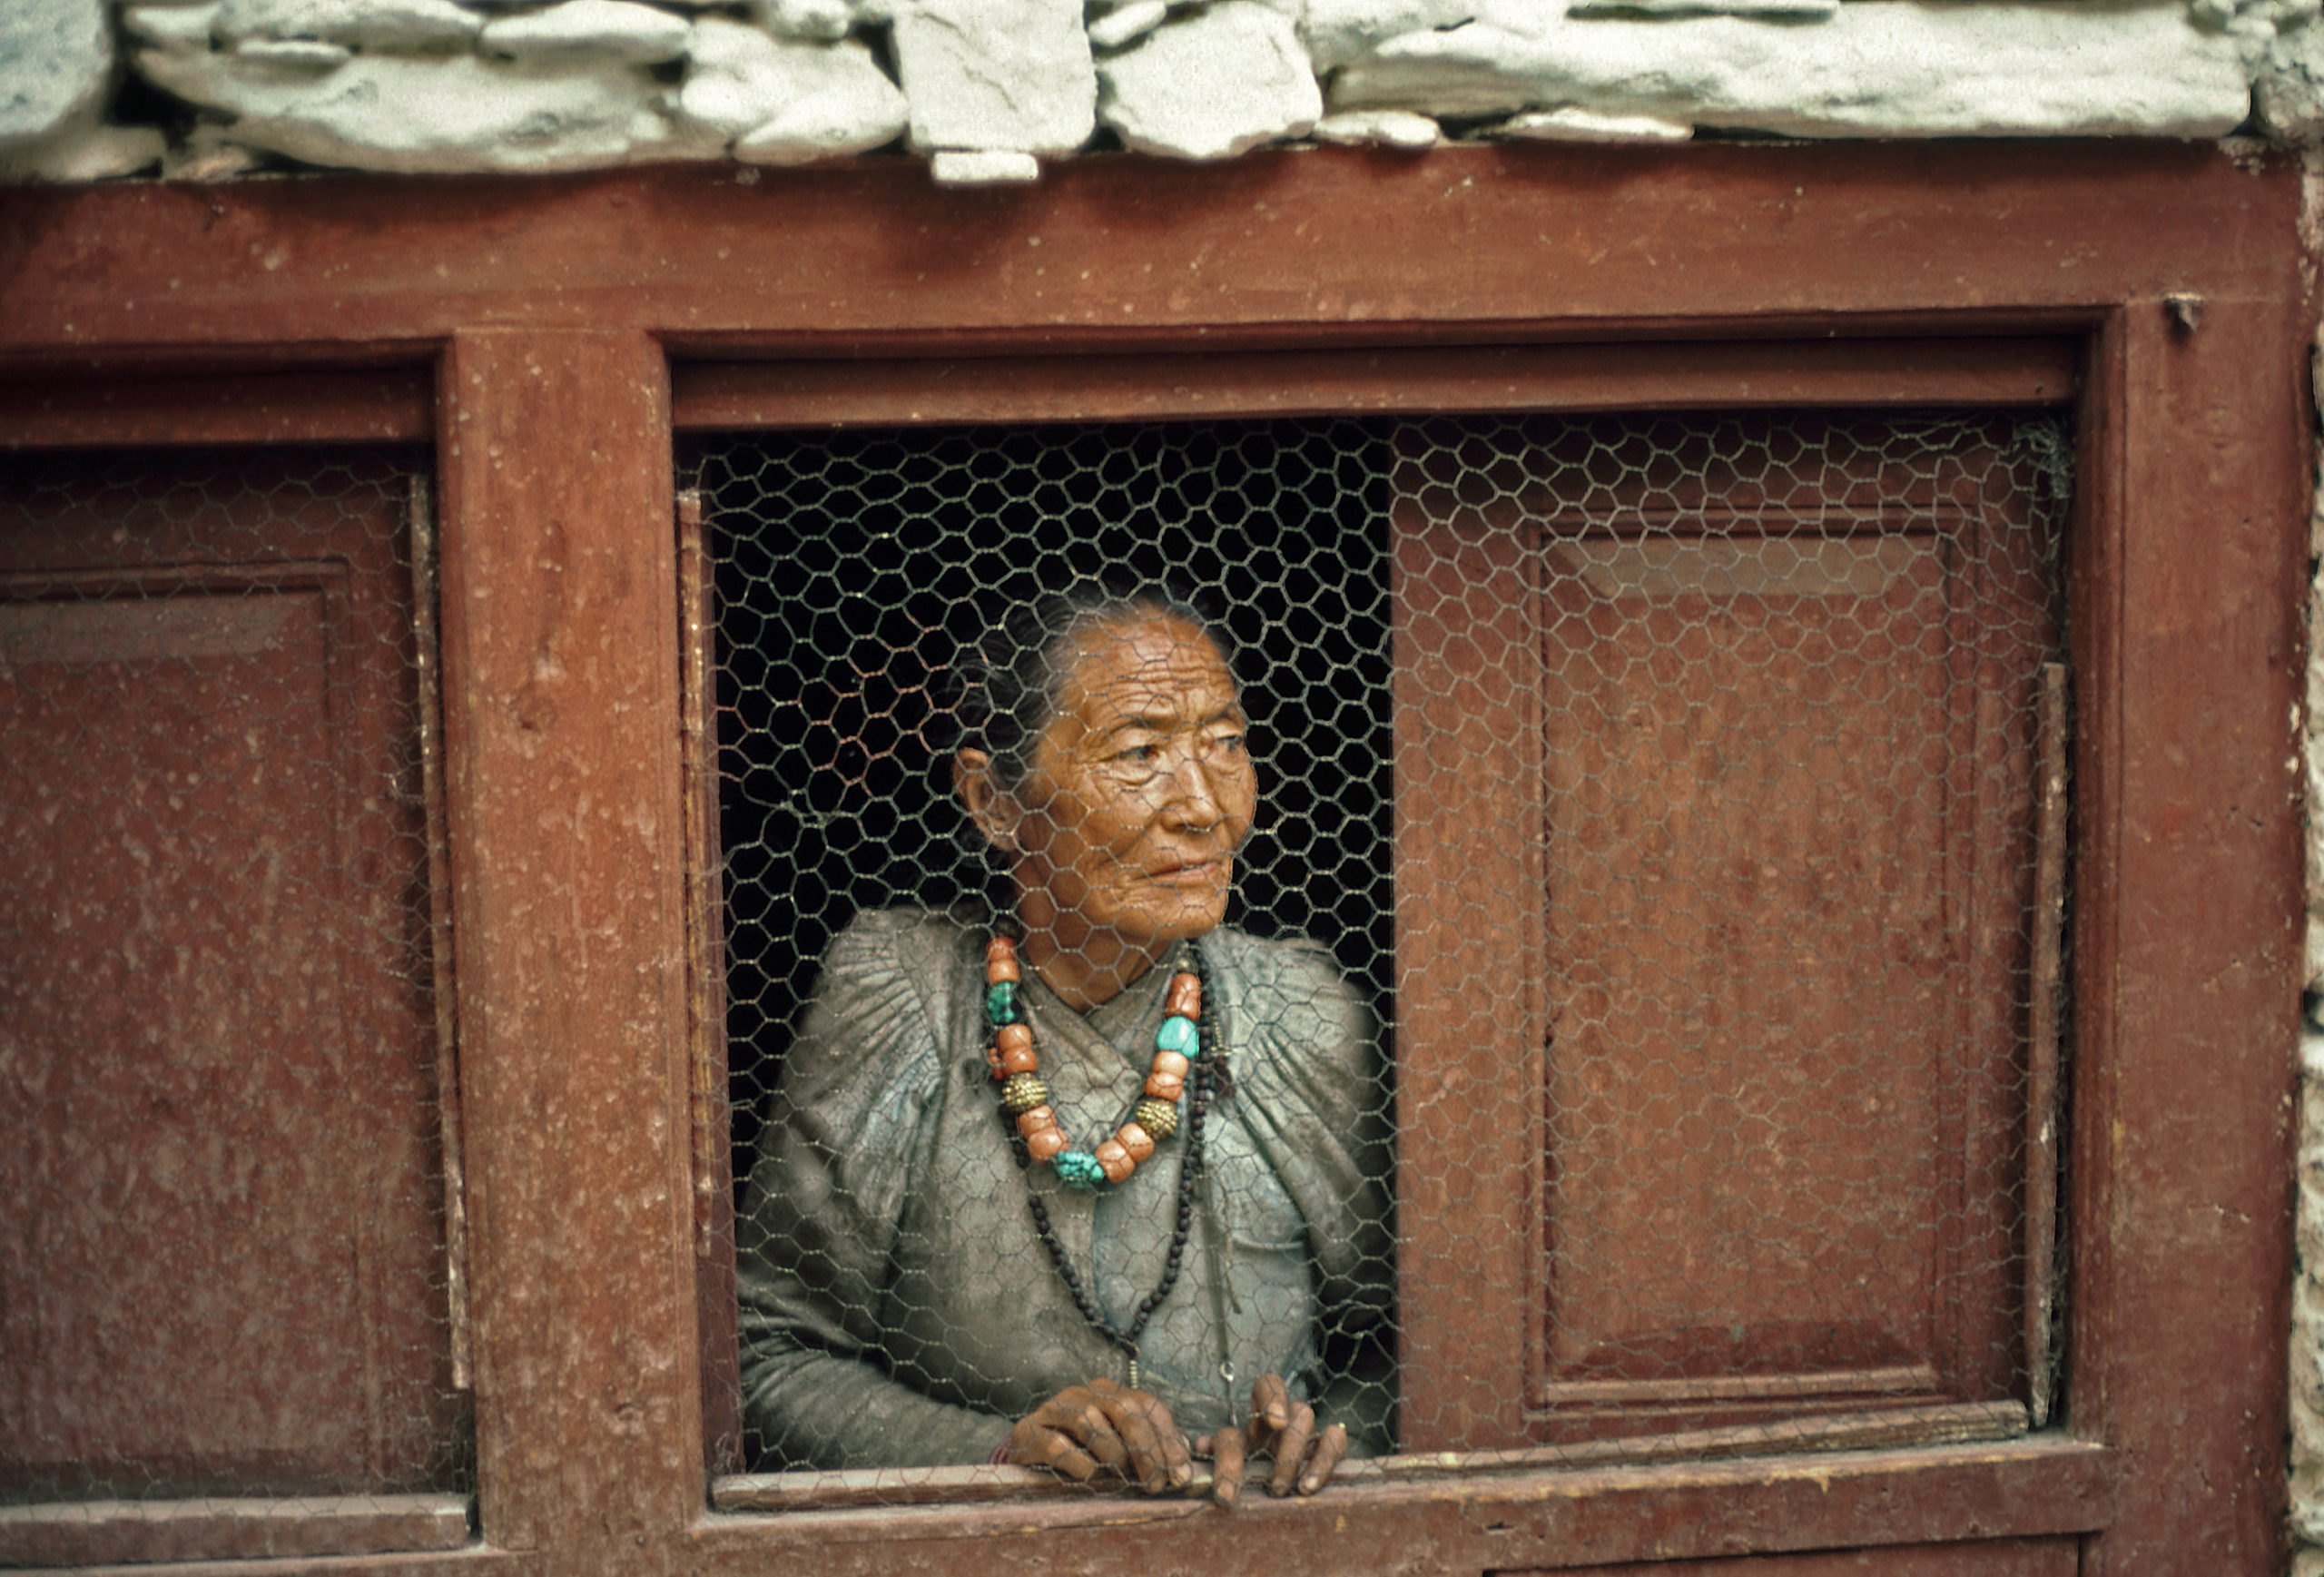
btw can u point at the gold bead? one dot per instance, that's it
(1023, 1092)
(1158, 1118)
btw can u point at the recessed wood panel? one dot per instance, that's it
(1782, 798)
(217, 1154)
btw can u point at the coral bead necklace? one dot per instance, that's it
(1185, 1045)
(1024, 1095)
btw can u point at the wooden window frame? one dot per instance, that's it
(548, 337)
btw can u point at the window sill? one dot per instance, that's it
(1489, 1511)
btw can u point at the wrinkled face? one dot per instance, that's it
(1139, 793)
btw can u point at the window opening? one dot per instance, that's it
(1665, 785)
(225, 1076)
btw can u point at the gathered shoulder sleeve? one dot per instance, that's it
(847, 1136)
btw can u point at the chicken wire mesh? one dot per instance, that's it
(1628, 983)
(222, 1152)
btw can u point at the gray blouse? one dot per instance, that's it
(898, 1307)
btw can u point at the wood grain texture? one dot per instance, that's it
(561, 721)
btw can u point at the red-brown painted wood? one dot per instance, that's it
(217, 1044)
(1635, 376)
(560, 671)
(2186, 979)
(563, 717)
(1510, 241)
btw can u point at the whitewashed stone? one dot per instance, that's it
(983, 167)
(392, 26)
(90, 152)
(1125, 25)
(209, 155)
(1382, 128)
(1590, 126)
(589, 30)
(292, 56)
(1339, 31)
(1879, 68)
(1778, 10)
(825, 19)
(1012, 75)
(790, 100)
(1211, 85)
(455, 115)
(178, 27)
(2287, 88)
(56, 66)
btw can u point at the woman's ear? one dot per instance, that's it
(990, 805)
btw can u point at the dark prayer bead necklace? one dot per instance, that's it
(1024, 1105)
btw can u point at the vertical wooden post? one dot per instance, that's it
(561, 719)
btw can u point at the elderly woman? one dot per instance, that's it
(1097, 1185)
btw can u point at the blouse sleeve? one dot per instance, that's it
(824, 1204)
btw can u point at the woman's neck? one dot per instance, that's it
(1088, 973)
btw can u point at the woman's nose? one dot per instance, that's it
(1191, 798)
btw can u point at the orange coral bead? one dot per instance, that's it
(1164, 1086)
(1033, 1121)
(1171, 1063)
(1136, 1140)
(999, 961)
(1185, 1001)
(1019, 1060)
(1046, 1144)
(1115, 1160)
(1012, 1038)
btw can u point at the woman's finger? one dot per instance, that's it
(1270, 1404)
(1290, 1448)
(1330, 1449)
(1226, 1465)
(1157, 1456)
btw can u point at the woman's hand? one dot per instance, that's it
(1283, 1427)
(1101, 1425)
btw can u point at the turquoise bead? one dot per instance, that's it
(1178, 1035)
(1078, 1169)
(1000, 1003)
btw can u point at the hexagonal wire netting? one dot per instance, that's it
(1664, 788)
(221, 1158)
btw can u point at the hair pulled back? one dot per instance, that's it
(1007, 687)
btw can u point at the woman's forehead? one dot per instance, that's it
(1159, 667)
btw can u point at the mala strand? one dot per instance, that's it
(1209, 1070)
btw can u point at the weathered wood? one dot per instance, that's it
(2045, 1042)
(388, 406)
(560, 671)
(2188, 871)
(1468, 244)
(102, 1533)
(1846, 1500)
(1569, 378)
(1941, 1424)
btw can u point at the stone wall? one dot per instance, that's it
(985, 90)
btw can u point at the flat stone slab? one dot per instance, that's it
(1878, 68)
(1008, 75)
(787, 99)
(455, 114)
(392, 25)
(1211, 85)
(55, 65)
(584, 30)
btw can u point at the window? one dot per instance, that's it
(1543, 282)
(1712, 777)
